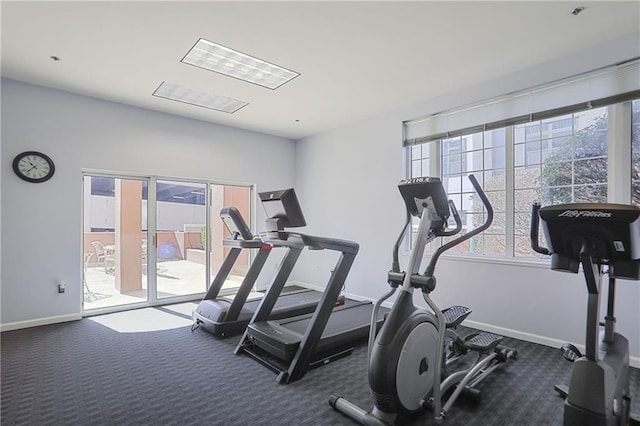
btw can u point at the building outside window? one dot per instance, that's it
(565, 161)
(420, 160)
(186, 198)
(483, 155)
(561, 159)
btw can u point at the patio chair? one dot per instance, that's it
(87, 258)
(100, 252)
(104, 256)
(143, 251)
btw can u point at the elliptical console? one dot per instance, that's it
(594, 236)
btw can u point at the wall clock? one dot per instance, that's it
(33, 166)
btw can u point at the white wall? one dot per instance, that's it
(41, 223)
(347, 180)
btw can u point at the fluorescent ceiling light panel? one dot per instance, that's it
(220, 59)
(195, 97)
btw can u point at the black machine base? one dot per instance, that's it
(280, 367)
(275, 343)
(211, 314)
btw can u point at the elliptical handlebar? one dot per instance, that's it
(395, 267)
(535, 226)
(456, 217)
(487, 205)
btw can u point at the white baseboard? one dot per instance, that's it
(534, 338)
(634, 361)
(321, 289)
(38, 322)
(527, 337)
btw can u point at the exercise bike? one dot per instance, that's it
(411, 357)
(605, 240)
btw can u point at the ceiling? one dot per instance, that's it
(355, 59)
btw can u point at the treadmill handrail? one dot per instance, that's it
(255, 243)
(277, 240)
(311, 241)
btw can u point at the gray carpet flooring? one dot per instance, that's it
(125, 372)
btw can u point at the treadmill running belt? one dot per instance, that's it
(211, 313)
(346, 324)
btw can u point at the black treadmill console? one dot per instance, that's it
(608, 233)
(233, 220)
(283, 209)
(416, 189)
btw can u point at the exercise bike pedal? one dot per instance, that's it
(454, 315)
(570, 352)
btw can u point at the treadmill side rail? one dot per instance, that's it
(304, 354)
(280, 352)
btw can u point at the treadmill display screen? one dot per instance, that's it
(283, 205)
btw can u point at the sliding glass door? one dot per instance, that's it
(150, 241)
(114, 242)
(181, 238)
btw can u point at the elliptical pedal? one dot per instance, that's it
(482, 342)
(454, 315)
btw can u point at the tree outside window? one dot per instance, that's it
(557, 160)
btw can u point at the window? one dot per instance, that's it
(565, 161)
(483, 155)
(635, 153)
(420, 160)
(167, 191)
(561, 159)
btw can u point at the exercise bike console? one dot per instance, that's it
(611, 232)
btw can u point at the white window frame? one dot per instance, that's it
(619, 173)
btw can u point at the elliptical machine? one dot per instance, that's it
(594, 236)
(409, 359)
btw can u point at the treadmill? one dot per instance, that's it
(292, 346)
(229, 316)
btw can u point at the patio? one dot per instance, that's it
(174, 278)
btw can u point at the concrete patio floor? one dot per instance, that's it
(174, 278)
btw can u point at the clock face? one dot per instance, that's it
(33, 166)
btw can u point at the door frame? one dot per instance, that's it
(152, 259)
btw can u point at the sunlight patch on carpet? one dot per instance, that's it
(141, 320)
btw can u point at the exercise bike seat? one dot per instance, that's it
(454, 315)
(482, 342)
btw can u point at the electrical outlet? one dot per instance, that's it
(62, 287)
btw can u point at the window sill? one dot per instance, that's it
(510, 261)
